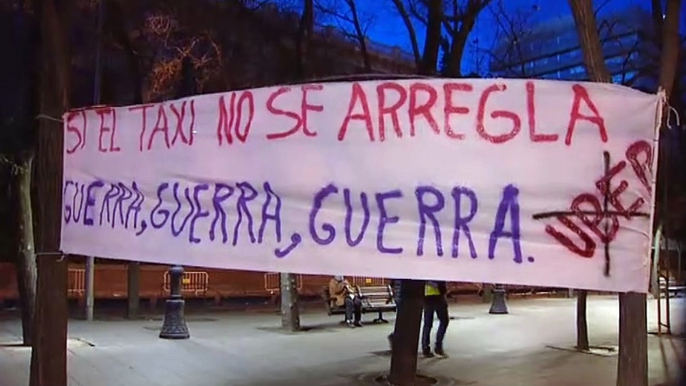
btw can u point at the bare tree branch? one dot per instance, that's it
(513, 27)
(466, 19)
(410, 31)
(360, 35)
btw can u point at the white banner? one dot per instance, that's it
(538, 183)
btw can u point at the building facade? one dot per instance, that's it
(551, 50)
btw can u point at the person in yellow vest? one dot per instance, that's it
(435, 301)
(341, 291)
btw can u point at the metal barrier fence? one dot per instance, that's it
(76, 282)
(196, 282)
(366, 281)
(272, 282)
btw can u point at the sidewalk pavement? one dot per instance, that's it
(249, 349)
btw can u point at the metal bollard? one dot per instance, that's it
(498, 305)
(174, 326)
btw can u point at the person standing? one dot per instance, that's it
(435, 301)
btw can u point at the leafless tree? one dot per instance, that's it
(457, 20)
(460, 19)
(351, 22)
(49, 356)
(406, 334)
(513, 30)
(632, 368)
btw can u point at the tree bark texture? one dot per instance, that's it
(115, 24)
(669, 60)
(26, 259)
(594, 60)
(589, 40)
(460, 34)
(632, 368)
(581, 321)
(632, 365)
(406, 334)
(290, 311)
(433, 37)
(49, 354)
(133, 290)
(656, 8)
(409, 317)
(302, 39)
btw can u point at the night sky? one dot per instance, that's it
(387, 27)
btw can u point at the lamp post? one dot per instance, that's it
(498, 305)
(174, 326)
(97, 82)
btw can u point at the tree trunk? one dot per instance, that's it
(454, 65)
(49, 354)
(115, 24)
(460, 34)
(669, 60)
(597, 71)
(581, 322)
(632, 365)
(302, 39)
(589, 40)
(290, 311)
(26, 259)
(656, 8)
(433, 37)
(409, 316)
(406, 334)
(133, 290)
(632, 368)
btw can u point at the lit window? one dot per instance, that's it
(576, 70)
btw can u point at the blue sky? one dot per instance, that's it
(387, 27)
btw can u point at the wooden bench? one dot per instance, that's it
(671, 288)
(374, 299)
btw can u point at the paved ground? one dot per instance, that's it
(248, 349)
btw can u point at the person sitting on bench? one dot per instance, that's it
(344, 295)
